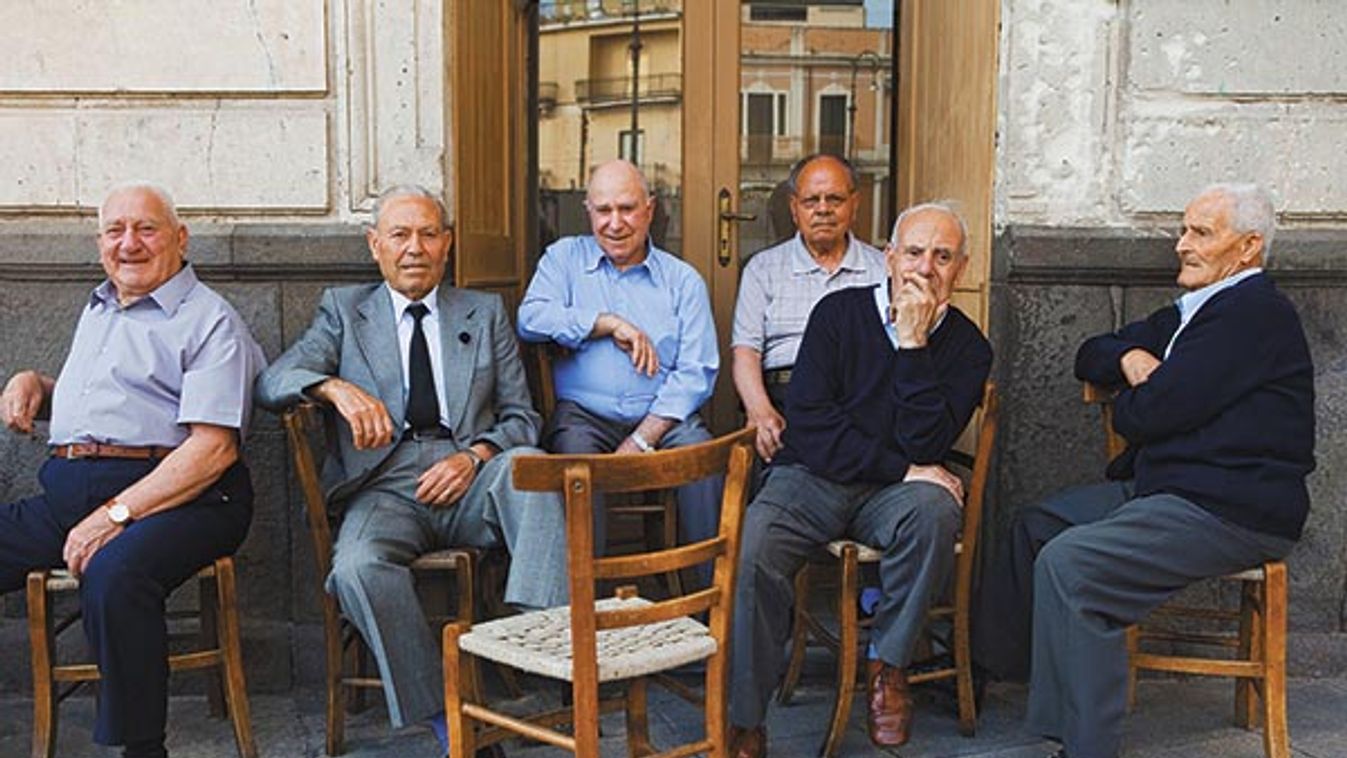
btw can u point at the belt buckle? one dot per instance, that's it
(424, 435)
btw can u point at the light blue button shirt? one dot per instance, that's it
(1190, 302)
(662, 296)
(139, 375)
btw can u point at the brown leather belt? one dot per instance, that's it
(97, 450)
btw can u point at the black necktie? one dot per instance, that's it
(423, 408)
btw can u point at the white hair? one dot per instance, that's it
(158, 191)
(944, 206)
(1250, 210)
(410, 190)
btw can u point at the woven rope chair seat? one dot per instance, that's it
(540, 642)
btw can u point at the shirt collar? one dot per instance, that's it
(401, 301)
(803, 262)
(595, 257)
(168, 296)
(1189, 302)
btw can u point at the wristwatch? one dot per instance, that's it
(476, 460)
(118, 513)
(641, 443)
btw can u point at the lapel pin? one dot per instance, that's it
(464, 337)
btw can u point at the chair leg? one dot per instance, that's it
(714, 705)
(336, 692)
(43, 657)
(457, 682)
(1133, 637)
(799, 636)
(638, 725)
(232, 649)
(1276, 740)
(1247, 693)
(210, 640)
(963, 663)
(847, 658)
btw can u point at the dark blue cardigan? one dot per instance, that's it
(859, 411)
(1227, 421)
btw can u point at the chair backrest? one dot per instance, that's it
(302, 423)
(1095, 394)
(538, 366)
(980, 465)
(582, 478)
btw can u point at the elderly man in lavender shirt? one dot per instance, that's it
(144, 485)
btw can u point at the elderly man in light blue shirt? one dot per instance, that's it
(145, 484)
(641, 343)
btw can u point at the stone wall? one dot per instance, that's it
(1113, 114)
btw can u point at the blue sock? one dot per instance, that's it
(441, 730)
(872, 652)
(870, 597)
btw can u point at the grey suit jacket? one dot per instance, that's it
(354, 337)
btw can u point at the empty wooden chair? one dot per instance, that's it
(347, 660)
(847, 556)
(218, 650)
(1256, 648)
(624, 637)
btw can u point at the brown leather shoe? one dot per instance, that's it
(890, 702)
(748, 743)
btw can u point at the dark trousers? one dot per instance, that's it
(572, 429)
(122, 593)
(798, 513)
(1082, 566)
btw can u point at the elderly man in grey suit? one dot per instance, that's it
(431, 405)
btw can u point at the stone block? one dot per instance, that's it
(270, 46)
(1056, 68)
(221, 159)
(1170, 151)
(35, 165)
(288, 245)
(1253, 47)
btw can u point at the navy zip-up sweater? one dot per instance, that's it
(1227, 420)
(859, 411)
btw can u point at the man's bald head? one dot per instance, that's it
(620, 211)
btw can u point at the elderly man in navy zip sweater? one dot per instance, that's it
(886, 378)
(1216, 402)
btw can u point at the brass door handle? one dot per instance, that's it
(725, 225)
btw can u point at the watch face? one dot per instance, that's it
(119, 514)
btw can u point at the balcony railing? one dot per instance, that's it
(654, 87)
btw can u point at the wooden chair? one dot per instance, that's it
(620, 638)
(658, 512)
(347, 659)
(1257, 647)
(847, 556)
(218, 651)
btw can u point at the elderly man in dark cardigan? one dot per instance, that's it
(1216, 401)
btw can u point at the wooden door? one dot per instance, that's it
(711, 124)
(488, 100)
(947, 123)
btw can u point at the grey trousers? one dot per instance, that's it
(1118, 560)
(572, 429)
(795, 514)
(385, 528)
